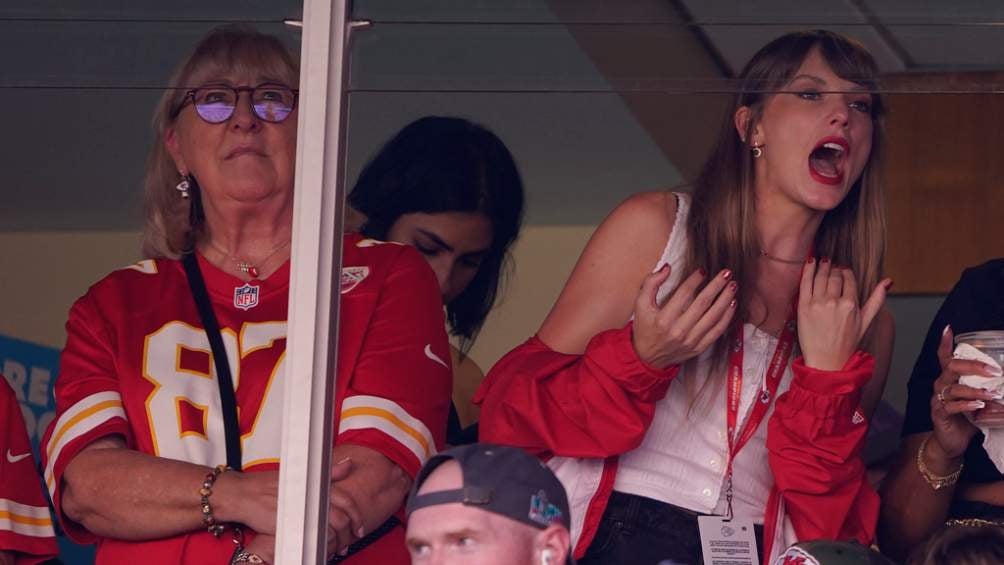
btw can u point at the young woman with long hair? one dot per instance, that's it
(738, 380)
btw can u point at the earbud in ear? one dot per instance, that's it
(545, 557)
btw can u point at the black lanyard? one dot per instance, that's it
(228, 401)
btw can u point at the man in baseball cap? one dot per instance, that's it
(488, 504)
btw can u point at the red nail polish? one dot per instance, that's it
(824, 260)
(888, 284)
(703, 272)
(733, 286)
(810, 260)
(727, 274)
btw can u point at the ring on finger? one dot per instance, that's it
(941, 393)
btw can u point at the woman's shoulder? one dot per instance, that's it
(645, 218)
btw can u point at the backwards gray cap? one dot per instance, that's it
(505, 480)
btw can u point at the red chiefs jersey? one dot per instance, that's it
(137, 363)
(25, 523)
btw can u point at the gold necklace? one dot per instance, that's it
(246, 266)
(763, 253)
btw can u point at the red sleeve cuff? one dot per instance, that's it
(614, 353)
(829, 394)
(385, 445)
(856, 372)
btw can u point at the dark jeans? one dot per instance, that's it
(636, 530)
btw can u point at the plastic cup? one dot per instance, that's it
(991, 343)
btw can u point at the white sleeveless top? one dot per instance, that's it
(683, 458)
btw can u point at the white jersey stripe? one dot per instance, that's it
(389, 428)
(362, 411)
(81, 418)
(34, 521)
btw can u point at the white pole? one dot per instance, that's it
(311, 347)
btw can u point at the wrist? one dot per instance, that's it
(227, 497)
(940, 460)
(937, 474)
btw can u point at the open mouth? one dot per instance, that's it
(826, 162)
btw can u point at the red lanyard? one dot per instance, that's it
(778, 362)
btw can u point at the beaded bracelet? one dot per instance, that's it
(207, 509)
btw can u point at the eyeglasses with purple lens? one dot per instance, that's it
(215, 104)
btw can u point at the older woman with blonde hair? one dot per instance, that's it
(169, 399)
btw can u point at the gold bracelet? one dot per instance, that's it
(937, 482)
(208, 520)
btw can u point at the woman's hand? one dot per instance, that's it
(251, 499)
(345, 521)
(830, 321)
(688, 323)
(263, 545)
(951, 402)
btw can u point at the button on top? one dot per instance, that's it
(706, 492)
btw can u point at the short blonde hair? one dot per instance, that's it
(168, 229)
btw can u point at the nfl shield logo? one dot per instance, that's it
(246, 297)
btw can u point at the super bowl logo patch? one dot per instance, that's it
(245, 297)
(542, 511)
(795, 556)
(352, 276)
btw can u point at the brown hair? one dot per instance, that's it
(167, 229)
(721, 225)
(962, 545)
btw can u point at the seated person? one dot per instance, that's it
(26, 534)
(451, 189)
(943, 473)
(490, 505)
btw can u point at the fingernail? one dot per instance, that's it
(888, 284)
(727, 274)
(344, 552)
(360, 532)
(975, 405)
(810, 260)
(733, 286)
(703, 272)
(733, 303)
(997, 396)
(343, 461)
(945, 331)
(824, 260)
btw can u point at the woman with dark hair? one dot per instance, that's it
(451, 189)
(944, 475)
(737, 381)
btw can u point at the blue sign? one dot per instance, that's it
(31, 371)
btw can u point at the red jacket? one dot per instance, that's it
(582, 411)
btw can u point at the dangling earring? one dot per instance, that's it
(184, 185)
(757, 151)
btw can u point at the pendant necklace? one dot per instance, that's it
(247, 267)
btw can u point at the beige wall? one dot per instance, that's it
(543, 257)
(44, 272)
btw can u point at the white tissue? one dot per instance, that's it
(993, 438)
